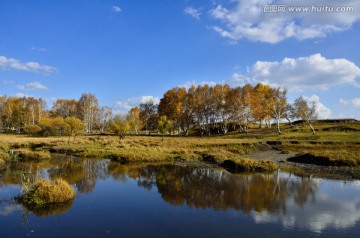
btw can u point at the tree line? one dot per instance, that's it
(217, 108)
(221, 107)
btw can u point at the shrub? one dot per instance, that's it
(46, 192)
(32, 129)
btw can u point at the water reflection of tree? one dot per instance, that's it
(83, 173)
(195, 187)
(15, 172)
(218, 189)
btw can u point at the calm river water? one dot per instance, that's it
(167, 200)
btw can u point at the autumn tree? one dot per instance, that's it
(65, 108)
(74, 127)
(236, 107)
(222, 105)
(148, 115)
(104, 117)
(163, 125)
(134, 120)
(260, 109)
(14, 112)
(203, 108)
(306, 111)
(88, 109)
(278, 105)
(172, 106)
(188, 110)
(17, 112)
(119, 125)
(53, 126)
(31, 104)
(246, 99)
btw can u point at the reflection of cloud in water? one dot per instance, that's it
(7, 209)
(327, 212)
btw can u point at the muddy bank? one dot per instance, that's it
(306, 164)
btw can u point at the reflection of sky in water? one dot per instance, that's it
(336, 205)
(7, 205)
(8, 208)
(8, 192)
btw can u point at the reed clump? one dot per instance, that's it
(45, 192)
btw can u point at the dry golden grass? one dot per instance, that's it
(4, 156)
(12, 139)
(338, 154)
(28, 155)
(338, 142)
(46, 192)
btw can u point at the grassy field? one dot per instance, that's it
(333, 144)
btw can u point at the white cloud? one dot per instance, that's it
(321, 110)
(145, 99)
(10, 63)
(116, 9)
(193, 12)
(313, 72)
(246, 19)
(343, 101)
(238, 79)
(124, 107)
(32, 86)
(356, 102)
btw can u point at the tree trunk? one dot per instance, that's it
(290, 123)
(278, 126)
(312, 128)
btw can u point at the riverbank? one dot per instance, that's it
(288, 162)
(334, 150)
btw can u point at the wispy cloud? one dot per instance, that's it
(10, 63)
(32, 86)
(116, 9)
(195, 13)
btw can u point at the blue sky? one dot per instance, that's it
(128, 51)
